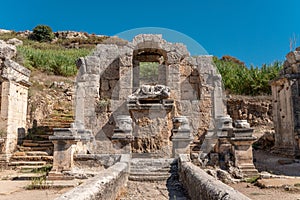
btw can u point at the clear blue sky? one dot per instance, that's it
(256, 31)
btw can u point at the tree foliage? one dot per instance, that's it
(42, 33)
(149, 72)
(239, 79)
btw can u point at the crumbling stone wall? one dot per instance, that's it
(14, 92)
(256, 110)
(286, 108)
(111, 74)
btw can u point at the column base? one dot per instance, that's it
(59, 176)
(248, 170)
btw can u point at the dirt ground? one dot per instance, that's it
(256, 193)
(15, 190)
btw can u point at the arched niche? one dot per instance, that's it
(149, 67)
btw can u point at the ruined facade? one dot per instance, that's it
(121, 110)
(111, 82)
(286, 108)
(14, 83)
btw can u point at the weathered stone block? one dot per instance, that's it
(7, 51)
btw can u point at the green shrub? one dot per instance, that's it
(239, 79)
(42, 33)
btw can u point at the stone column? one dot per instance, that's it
(181, 136)
(122, 136)
(242, 141)
(64, 140)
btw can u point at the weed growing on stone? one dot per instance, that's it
(252, 179)
(297, 184)
(38, 183)
(43, 170)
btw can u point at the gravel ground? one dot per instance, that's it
(170, 189)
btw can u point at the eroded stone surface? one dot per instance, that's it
(286, 108)
(13, 102)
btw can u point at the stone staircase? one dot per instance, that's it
(30, 164)
(58, 120)
(150, 169)
(37, 143)
(34, 153)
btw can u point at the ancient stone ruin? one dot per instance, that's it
(286, 109)
(144, 110)
(14, 83)
(119, 110)
(109, 85)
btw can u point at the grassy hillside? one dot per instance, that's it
(55, 58)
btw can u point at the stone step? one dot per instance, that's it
(30, 168)
(149, 178)
(38, 148)
(36, 145)
(45, 149)
(19, 163)
(151, 162)
(32, 158)
(26, 167)
(52, 125)
(46, 132)
(29, 176)
(149, 174)
(53, 176)
(149, 169)
(45, 136)
(30, 144)
(37, 141)
(58, 120)
(156, 170)
(36, 153)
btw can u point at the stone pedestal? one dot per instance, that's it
(242, 141)
(223, 125)
(181, 137)
(122, 136)
(64, 140)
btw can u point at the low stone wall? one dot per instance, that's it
(105, 185)
(202, 186)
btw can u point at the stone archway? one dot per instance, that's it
(112, 73)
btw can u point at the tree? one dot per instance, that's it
(42, 33)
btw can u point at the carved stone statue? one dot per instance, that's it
(151, 92)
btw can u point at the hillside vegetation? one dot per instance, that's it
(58, 57)
(239, 79)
